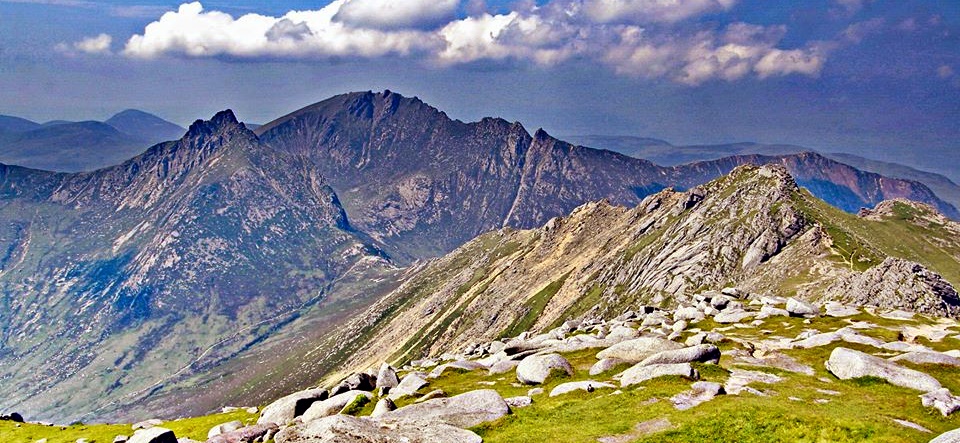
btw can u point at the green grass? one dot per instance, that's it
(533, 308)
(195, 428)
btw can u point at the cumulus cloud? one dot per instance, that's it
(192, 31)
(632, 37)
(651, 11)
(99, 44)
(394, 14)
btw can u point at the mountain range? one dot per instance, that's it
(224, 257)
(81, 146)
(665, 153)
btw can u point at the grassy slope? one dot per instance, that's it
(195, 428)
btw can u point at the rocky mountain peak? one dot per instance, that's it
(222, 122)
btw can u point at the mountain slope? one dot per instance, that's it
(940, 184)
(415, 179)
(145, 126)
(11, 124)
(754, 229)
(140, 275)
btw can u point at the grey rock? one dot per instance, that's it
(586, 385)
(347, 429)
(605, 365)
(154, 434)
(732, 316)
(801, 308)
(898, 284)
(461, 365)
(247, 434)
(387, 377)
(739, 379)
(519, 401)
(633, 351)
(931, 358)
(536, 368)
(770, 311)
(410, 384)
(292, 406)
(700, 392)
(333, 405)
(941, 400)
(834, 309)
(464, 410)
(224, 427)
(383, 406)
(121, 439)
(698, 353)
(640, 373)
(503, 366)
(948, 437)
(847, 363)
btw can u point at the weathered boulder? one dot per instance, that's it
(847, 363)
(410, 384)
(801, 308)
(291, 406)
(154, 434)
(14, 417)
(387, 377)
(383, 406)
(605, 365)
(536, 368)
(247, 434)
(503, 366)
(732, 316)
(941, 400)
(360, 381)
(928, 358)
(699, 392)
(948, 437)
(347, 429)
(769, 311)
(586, 385)
(462, 365)
(465, 410)
(698, 353)
(333, 405)
(521, 401)
(224, 427)
(640, 373)
(634, 351)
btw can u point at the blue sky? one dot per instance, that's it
(878, 78)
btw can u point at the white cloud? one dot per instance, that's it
(194, 32)
(651, 11)
(856, 32)
(99, 44)
(545, 35)
(395, 14)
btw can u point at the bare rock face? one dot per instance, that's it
(347, 429)
(899, 284)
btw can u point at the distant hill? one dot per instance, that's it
(145, 126)
(65, 146)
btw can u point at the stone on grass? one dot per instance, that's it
(732, 316)
(292, 406)
(333, 405)
(410, 384)
(383, 406)
(848, 363)
(154, 434)
(247, 434)
(928, 358)
(586, 385)
(503, 366)
(640, 373)
(387, 377)
(948, 437)
(699, 392)
(634, 351)
(348, 429)
(519, 401)
(941, 400)
(801, 308)
(605, 365)
(536, 368)
(698, 353)
(465, 410)
(224, 427)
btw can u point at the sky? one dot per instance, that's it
(879, 78)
